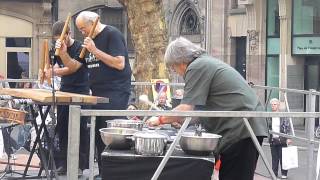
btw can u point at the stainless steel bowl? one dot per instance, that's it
(150, 143)
(117, 138)
(125, 123)
(199, 145)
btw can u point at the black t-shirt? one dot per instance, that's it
(77, 82)
(103, 77)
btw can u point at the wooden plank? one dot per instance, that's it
(45, 96)
(80, 98)
(39, 95)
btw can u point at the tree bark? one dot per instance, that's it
(148, 29)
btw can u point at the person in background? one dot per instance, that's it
(74, 81)
(212, 85)
(109, 69)
(280, 125)
(178, 94)
(133, 107)
(162, 101)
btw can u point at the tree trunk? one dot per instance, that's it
(148, 29)
(149, 34)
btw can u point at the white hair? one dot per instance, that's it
(182, 50)
(87, 16)
(274, 100)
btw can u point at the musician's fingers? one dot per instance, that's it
(58, 44)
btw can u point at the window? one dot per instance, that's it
(17, 66)
(273, 74)
(190, 23)
(273, 21)
(306, 17)
(18, 42)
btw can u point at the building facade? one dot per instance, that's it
(24, 25)
(269, 42)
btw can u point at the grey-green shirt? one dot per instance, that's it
(212, 85)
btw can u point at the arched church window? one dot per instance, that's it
(189, 24)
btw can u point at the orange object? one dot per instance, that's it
(217, 165)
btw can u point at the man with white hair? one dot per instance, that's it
(212, 85)
(108, 65)
(280, 125)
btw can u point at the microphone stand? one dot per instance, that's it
(51, 136)
(53, 90)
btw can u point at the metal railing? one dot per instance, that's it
(76, 112)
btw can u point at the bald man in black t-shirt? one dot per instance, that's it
(108, 65)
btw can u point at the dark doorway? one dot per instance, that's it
(241, 46)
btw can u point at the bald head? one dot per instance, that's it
(87, 17)
(85, 20)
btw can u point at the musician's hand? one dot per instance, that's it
(153, 121)
(61, 45)
(40, 75)
(176, 125)
(48, 73)
(89, 44)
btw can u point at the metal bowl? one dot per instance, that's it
(125, 123)
(199, 145)
(117, 138)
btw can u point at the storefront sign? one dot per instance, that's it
(306, 45)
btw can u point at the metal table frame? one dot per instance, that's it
(38, 143)
(75, 113)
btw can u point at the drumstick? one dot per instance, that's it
(46, 59)
(83, 51)
(42, 63)
(64, 31)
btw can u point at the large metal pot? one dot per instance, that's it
(150, 143)
(199, 145)
(117, 138)
(125, 123)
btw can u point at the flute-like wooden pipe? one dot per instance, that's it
(42, 63)
(83, 51)
(64, 31)
(47, 60)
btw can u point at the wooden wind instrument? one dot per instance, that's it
(42, 64)
(64, 31)
(47, 59)
(83, 51)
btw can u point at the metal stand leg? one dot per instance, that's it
(73, 143)
(42, 155)
(92, 146)
(171, 148)
(256, 143)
